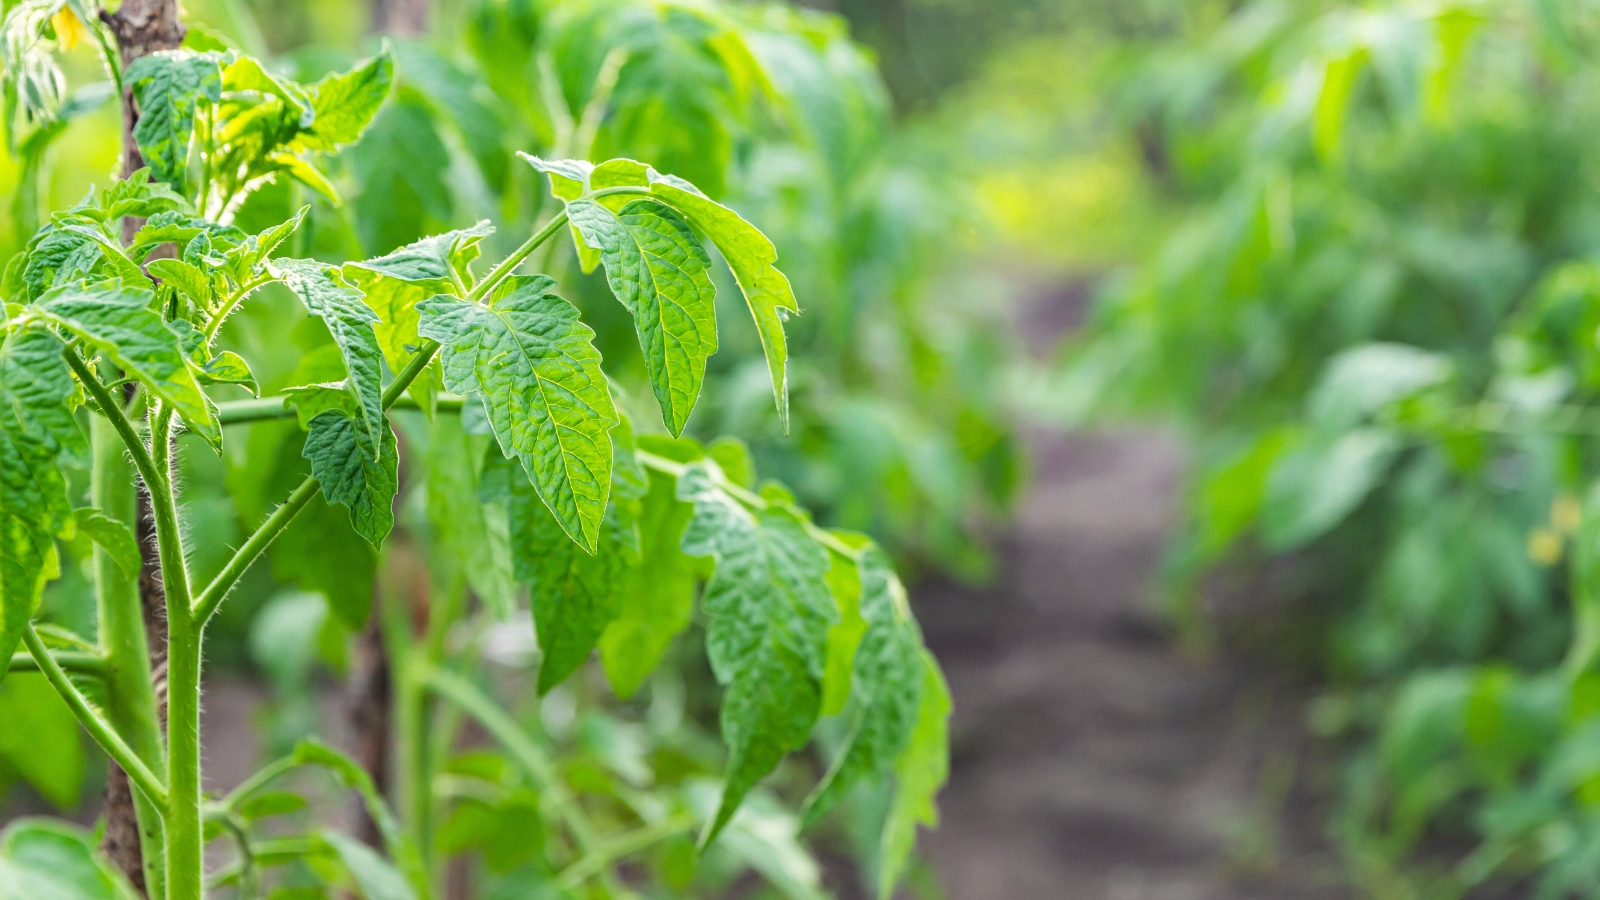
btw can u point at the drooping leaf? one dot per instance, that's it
(769, 610)
(353, 472)
(36, 429)
(658, 595)
(118, 321)
(531, 359)
(467, 532)
(844, 637)
(575, 594)
(920, 772)
(660, 272)
(751, 256)
(350, 321)
(395, 303)
(168, 86)
(886, 686)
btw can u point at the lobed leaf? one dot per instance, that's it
(354, 470)
(533, 362)
(769, 610)
(344, 104)
(659, 271)
(112, 536)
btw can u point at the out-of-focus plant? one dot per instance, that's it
(1377, 324)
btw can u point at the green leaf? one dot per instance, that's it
(575, 594)
(42, 740)
(36, 429)
(353, 776)
(119, 322)
(350, 321)
(355, 472)
(112, 536)
(769, 610)
(886, 688)
(168, 86)
(468, 533)
(751, 257)
(43, 859)
(432, 259)
(272, 803)
(229, 367)
(395, 302)
(844, 580)
(344, 104)
(920, 771)
(137, 195)
(189, 279)
(749, 254)
(660, 272)
(658, 596)
(532, 360)
(1311, 489)
(375, 878)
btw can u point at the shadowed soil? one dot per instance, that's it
(1091, 759)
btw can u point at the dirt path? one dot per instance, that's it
(1091, 760)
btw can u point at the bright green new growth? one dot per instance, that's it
(168, 86)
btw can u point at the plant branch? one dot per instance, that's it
(592, 864)
(98, 728)
(77, 662)
(111, 409)
(533, 760)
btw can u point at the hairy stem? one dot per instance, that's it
(74, 662)
(98, 728)
(136, 842)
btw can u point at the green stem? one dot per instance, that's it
(98, 728)
(74, 662)
(124, 644)
(224, 309)
(509, 264)
(112, 410)
(620, 847)
(505, 730)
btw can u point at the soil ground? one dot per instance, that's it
(1092, 759)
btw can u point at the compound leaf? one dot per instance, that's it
(659, 271)
(769, 610)
(118, 321)
(432, 259)
(548, 403)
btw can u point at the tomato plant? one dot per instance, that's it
(116, 360)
